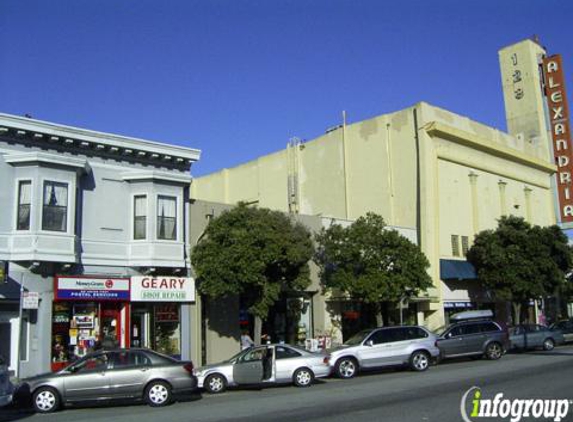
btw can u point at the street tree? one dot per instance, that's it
(368, 261)
(255, 253)
(518, 262)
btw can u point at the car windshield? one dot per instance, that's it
(357, 338)
(440, 331)
(298, 348)
(235, 357)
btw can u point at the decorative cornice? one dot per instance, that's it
(437, 129)
(99, 143)
(139, 176)
(38, 158)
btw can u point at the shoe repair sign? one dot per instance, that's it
(162, 289)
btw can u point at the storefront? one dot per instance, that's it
(157, 312)
(88, 313)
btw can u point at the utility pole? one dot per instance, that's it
(20, 314)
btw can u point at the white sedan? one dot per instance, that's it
(269, 364)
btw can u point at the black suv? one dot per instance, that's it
(473, 334)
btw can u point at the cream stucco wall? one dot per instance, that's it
(422, 168)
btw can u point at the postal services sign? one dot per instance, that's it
(85, 288)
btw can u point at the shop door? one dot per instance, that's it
(140, 329)
(111, 324)
(5, 344)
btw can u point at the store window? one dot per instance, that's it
(140, 217)
(24, 203)
(157, 326)
(167, 331)
(55, 207)
(79, 328)
(166, 218)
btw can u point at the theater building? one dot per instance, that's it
(437, 176)
(94, 244)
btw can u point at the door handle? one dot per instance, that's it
(144, 369)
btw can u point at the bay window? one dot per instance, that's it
(24, 202)
(166, 218)
(55, 207)
(139, 217)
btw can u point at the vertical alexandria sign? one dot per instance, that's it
(560, 130)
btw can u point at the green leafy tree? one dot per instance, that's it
(255, 253)
(518, 262)
(370, 262)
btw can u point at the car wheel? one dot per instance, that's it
(46, 400)
(548, 344)
(303, 377)
(158, 393)
(493, 351)
(419, 361)
(215, 383)
(346, 367)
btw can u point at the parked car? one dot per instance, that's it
(530, 336)
(566, 327)
(387, 346)
(6, 387)
(138, 374)
(269, 364)
(473, 334)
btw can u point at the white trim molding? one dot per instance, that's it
(140, 176)
(115, 144)
(49, 159)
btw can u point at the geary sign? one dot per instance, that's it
(162, 289)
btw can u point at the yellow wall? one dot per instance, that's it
(375, 165)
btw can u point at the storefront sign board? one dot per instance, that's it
(162, 289)
(80, 288)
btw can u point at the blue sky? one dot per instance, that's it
(238, 78)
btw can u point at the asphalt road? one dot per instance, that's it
(390, 395)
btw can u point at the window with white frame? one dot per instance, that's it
(139, 217)
(166, 218)
(24, 202)
(55, 207)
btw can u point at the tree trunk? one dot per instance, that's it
(258, 328)
(516, 313)
(378, 312)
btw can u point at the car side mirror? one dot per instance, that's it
(370, 343)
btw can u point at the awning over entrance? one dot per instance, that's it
(453, 269)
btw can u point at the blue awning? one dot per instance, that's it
(453, 269)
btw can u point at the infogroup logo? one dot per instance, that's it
(512, 409)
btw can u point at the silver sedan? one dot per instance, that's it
(530, 336)
(275, 363)
(138, 374)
